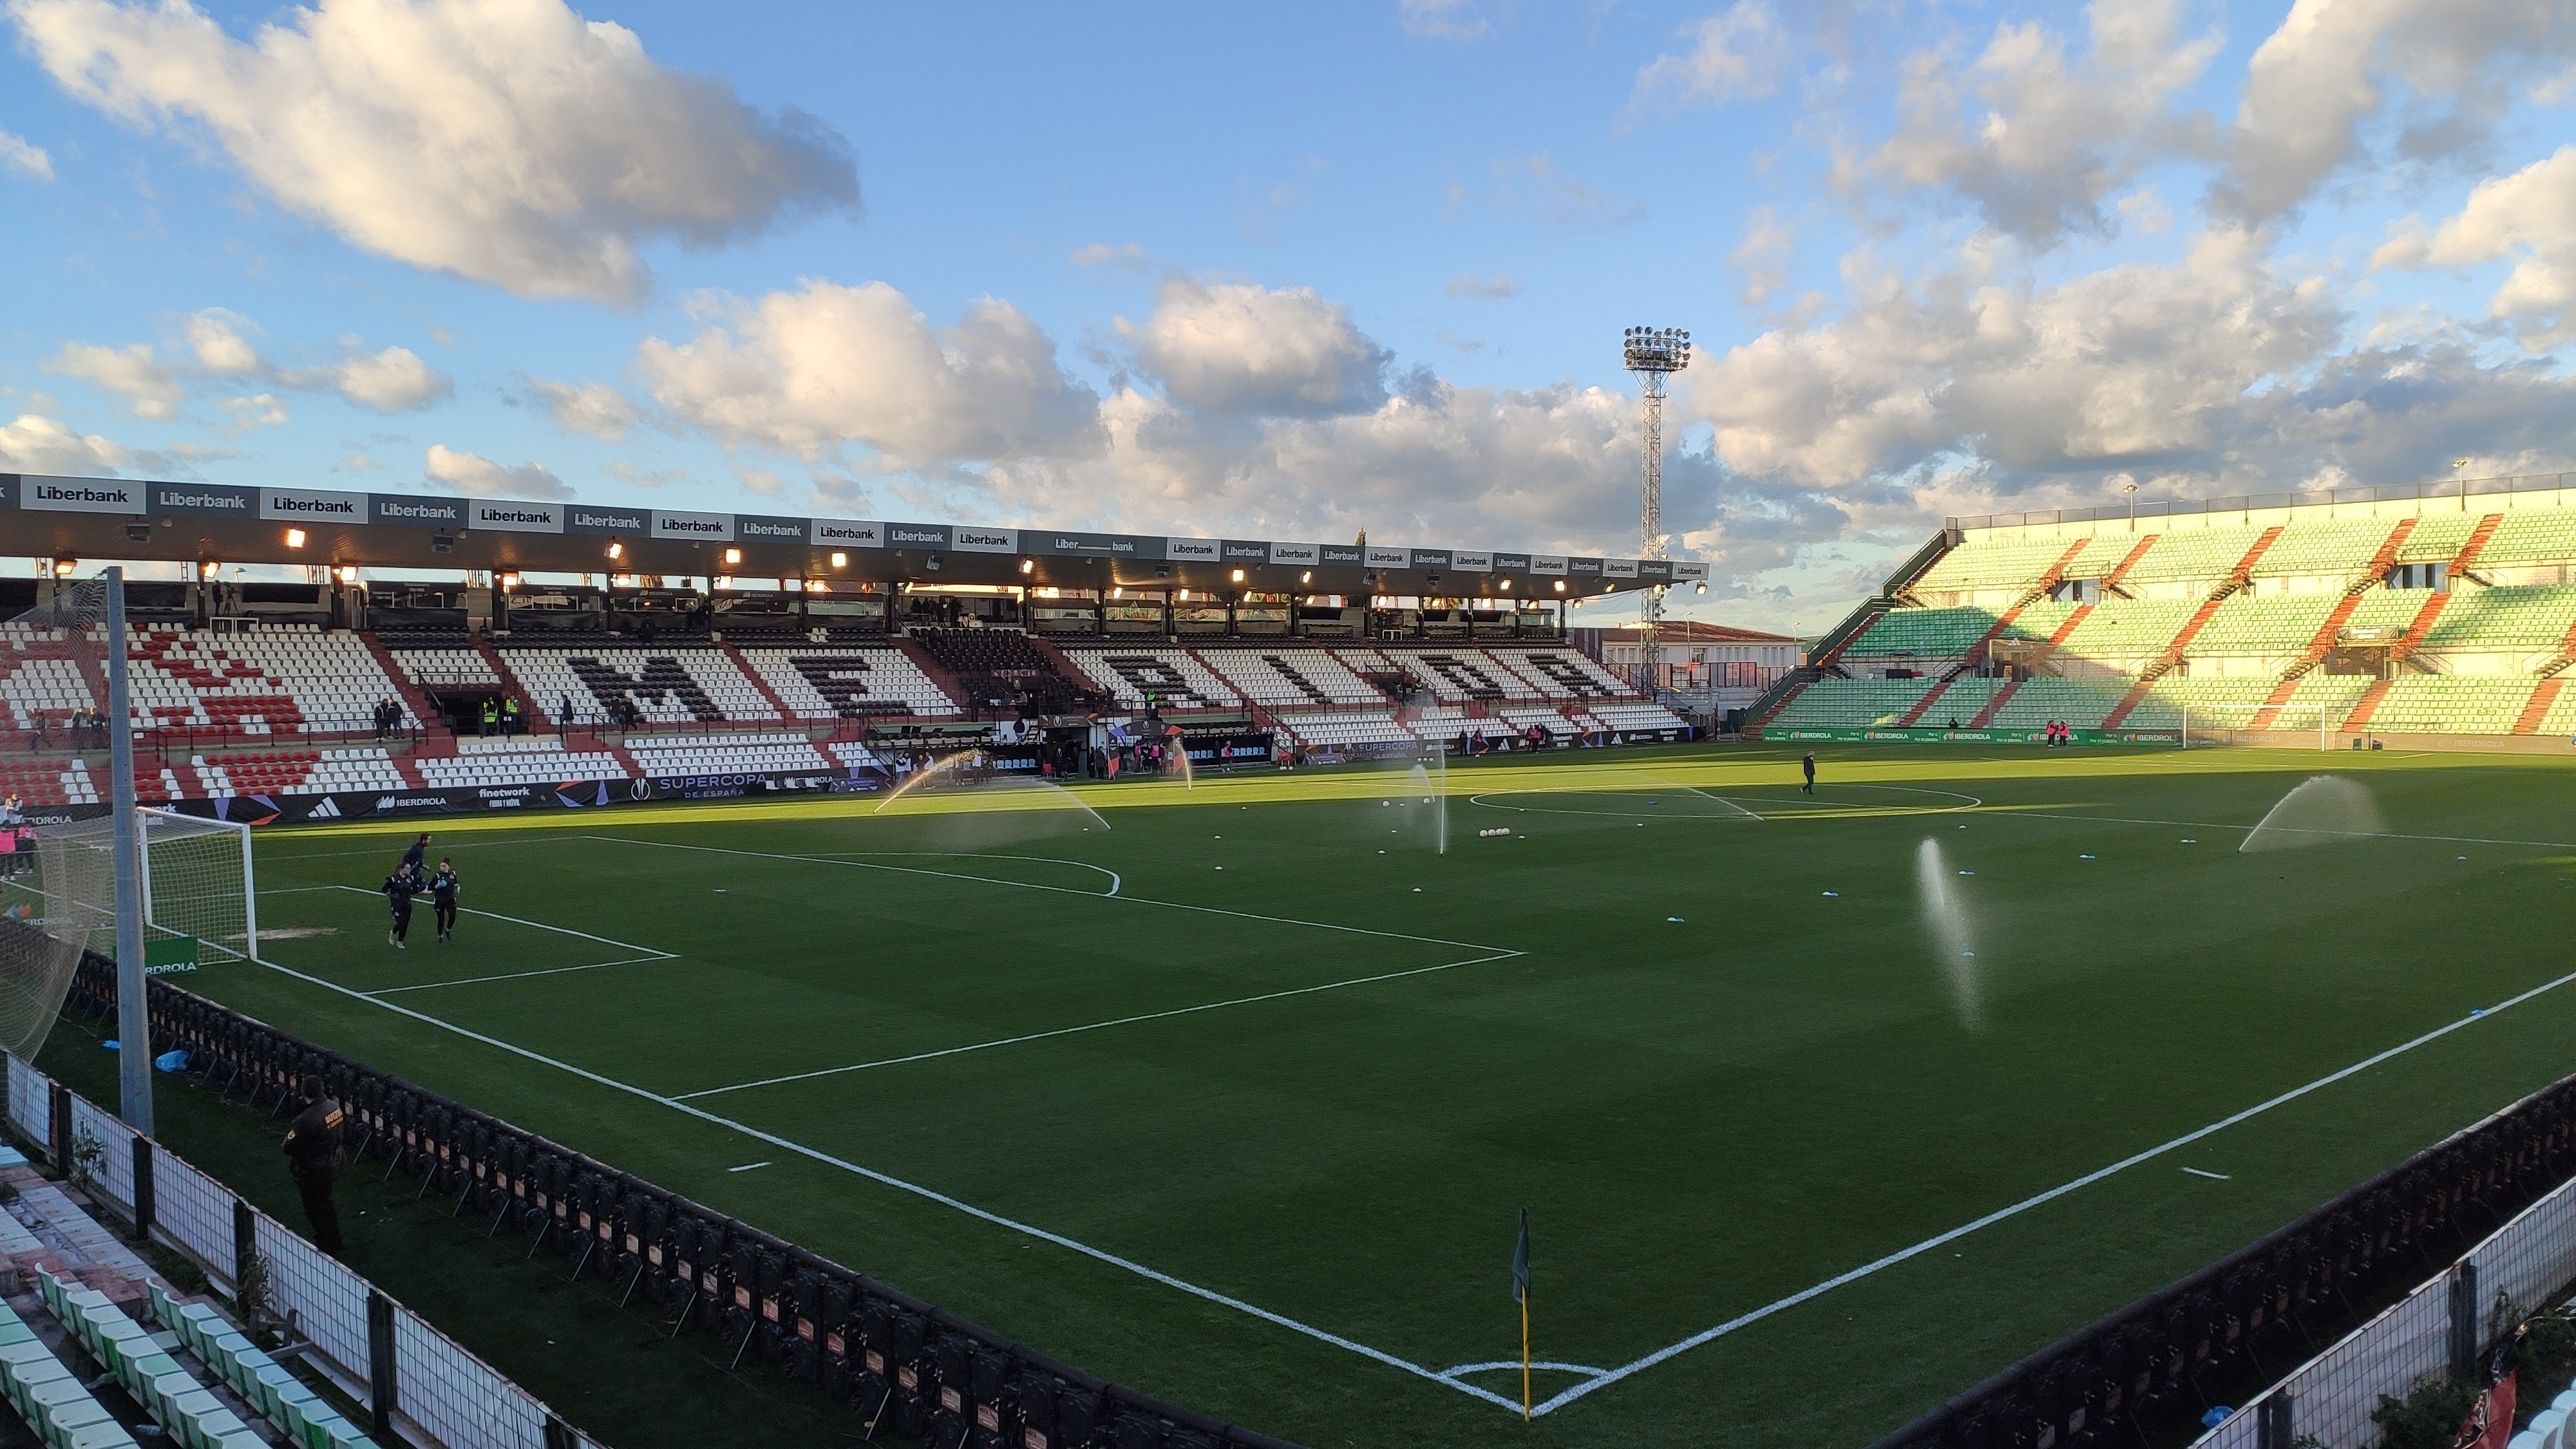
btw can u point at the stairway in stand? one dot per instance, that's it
(734, 656)
(2536, 709)
(2468, 554)
(1923, 706)
(2269, 714)
(2367, 705)
(433, 725)
(2120, 570)
(949, 684)
(1986, 716)
(530, 711)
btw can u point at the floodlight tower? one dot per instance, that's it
(1653, 353)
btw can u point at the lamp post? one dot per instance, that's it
(1653, 353)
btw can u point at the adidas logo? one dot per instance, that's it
(329, 809)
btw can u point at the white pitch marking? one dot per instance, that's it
(1114, 882)
(2212, 1176)
(1056, 890)
(748, 1167)
(1743, 1320)
(520, 975)
(1499, 1364)
(533, 925)
(1092, 1026)
(1100, 1255)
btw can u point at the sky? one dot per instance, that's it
(1299, 272)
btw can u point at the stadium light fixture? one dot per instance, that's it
(1238, 576)
(1117, 593)
(65, 566)
(723, 582)
(348, 573)
(840, 560)
(1028, 566)
(732, 556)
(508, 582)
(295, 538)
(616, 549)
(817, 586)
(1307, 577)
(1560, 586)
(208, 568)
(933, 562)
(1703, 587)
(1185, 596)
(138, 533)
(1507, 586)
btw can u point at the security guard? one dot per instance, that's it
(313, 1160)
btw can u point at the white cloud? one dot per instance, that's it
(810, 371)
(1538, 184)
(149, 386)
(2529, 216)
(38, 444)
(259, 410)
(509, 141)
(1763, 256)
(2326, 71)
(391, 381)
(1442, 19)
(30, 161)
(1235, 347)
(215, 336)
(1495, 288)
(473, 473)
(1126, 257)
(2047, 138)
(1737, 54)
(593, 408)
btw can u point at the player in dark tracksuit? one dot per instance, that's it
(442, 897)
(1809, 765)
(399, 888)
(414, 859)
(313, 1160)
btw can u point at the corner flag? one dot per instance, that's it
(1520, 1295)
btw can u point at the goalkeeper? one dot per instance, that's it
(399, 888)
(442, 897)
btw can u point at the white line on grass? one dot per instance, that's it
(1093, 1026)
(1114, 882)
(748, 1167)
(1745, 1320)
(1499, 1364)
(532, 925)
(2288, 829)
(522, 975)
(2212, 1176)
(1056, 890)
(928, 1194)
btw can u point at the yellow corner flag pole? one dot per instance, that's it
(1521, 1293)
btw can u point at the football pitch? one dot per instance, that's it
(1823, 1107)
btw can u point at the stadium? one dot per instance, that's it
(849, 1001)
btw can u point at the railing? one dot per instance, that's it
(2462, 489)
(2166, 1360)
(414, 1381)
(900, 1362)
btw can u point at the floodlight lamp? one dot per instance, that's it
(509, 582)
(1238, 576)
(1118, 593)
(616, 549)
(933, 563)
(1703, 587)
(1560, 586)
(723, 581)
(295, 538)
(1028, 566)
(65, 566)
(1307, 577)
(817, 586)
(207, 568)
(840, 560)
(1185, 596)
(348, 573)
(733, 556)
(1507, 586)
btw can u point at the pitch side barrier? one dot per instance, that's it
(2226, 1335)
(1920, 735)
(900, 1363)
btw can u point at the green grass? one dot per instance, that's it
(1704, 1116)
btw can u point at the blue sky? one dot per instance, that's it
(1298, 271)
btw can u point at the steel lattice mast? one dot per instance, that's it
(1653, 353)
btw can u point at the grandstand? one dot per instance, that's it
(288, 709)
(2417, 615)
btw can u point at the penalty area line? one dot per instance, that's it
(1746, 1320)
(928, 1194)
(1093, 1026)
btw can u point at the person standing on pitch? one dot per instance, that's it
(1809, 765)
(442, 898)
(399, 888)
(313, 1160)
(415, 858)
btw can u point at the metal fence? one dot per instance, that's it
(904, 1365)
(413, 1380)
(2438, 1330)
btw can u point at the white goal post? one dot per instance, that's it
(199, 881)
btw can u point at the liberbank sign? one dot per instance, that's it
(450, 517)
